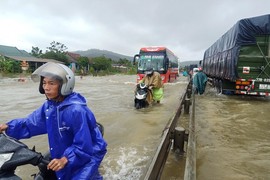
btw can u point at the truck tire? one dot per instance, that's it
(220, 87)
(215, 84)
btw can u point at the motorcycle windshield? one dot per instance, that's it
(14, 153)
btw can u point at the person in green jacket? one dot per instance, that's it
(153, 80)
(199, 81)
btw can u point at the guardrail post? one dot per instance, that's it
(179, 140)
(189, 90)
(186, 106)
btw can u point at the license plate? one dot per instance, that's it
(264, 86)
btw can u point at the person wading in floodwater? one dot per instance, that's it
(199, 81)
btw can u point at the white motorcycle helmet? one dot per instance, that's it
(55, 71)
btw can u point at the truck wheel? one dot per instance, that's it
(215, 84)
(220, 88)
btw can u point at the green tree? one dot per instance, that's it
(101, 63)
(9, 66)
(36, 52)
(57, 47)
(92, 71)
(57, 52)
(124, 62)
(83, 62)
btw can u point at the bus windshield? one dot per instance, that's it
(153, 60)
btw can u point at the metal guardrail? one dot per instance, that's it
(190, 169)
(157, 165)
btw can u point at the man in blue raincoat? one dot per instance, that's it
(76, 143)
(199, 81)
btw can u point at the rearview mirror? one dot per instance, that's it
(136, 58)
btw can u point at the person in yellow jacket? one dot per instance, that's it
(154, 82)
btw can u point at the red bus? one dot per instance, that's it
(161, 59)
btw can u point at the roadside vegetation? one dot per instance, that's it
(98, 66)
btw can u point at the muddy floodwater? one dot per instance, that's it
(233, 137)
(232, 132)
(132, 135)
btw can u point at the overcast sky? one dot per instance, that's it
(188, 27)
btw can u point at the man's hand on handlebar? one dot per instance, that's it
(3, 127)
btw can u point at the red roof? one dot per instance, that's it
(74, 55)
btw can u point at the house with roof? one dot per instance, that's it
(73, 60)
(13, 53)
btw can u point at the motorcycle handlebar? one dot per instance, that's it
(45, 161)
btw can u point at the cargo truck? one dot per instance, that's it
(238, 62)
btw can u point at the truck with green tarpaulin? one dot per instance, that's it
(238, 62)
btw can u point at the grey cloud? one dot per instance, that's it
(123, 26)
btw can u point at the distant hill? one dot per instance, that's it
(115, 56)
(108, 54)
(187, 63)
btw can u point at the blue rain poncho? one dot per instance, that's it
(72, 132)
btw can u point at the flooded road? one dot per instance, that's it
(233, 137)
(132, 135)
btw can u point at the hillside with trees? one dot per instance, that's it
(94, 61)
(187, 63)
(92, 53)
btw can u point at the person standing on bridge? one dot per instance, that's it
(154, 82)
(199, 81)
(76, 143)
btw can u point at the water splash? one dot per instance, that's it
(124, 163)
